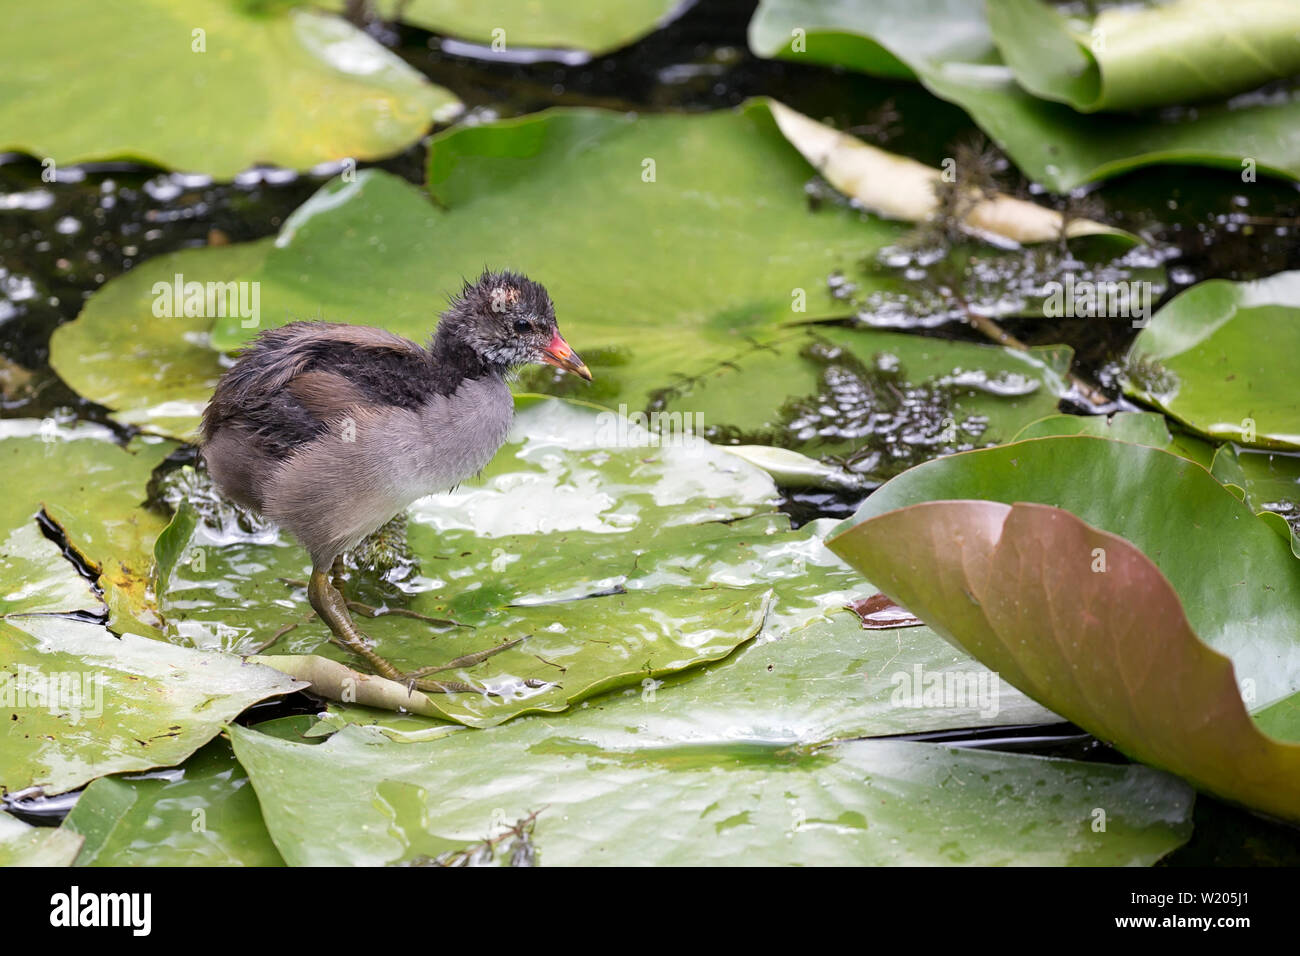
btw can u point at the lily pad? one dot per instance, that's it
(1220, 358)
(813, 675)
(544, 28)
(1141, 428)
(301, 87)
(1269, 483)
(1083, 621)
(22, 844)
(77, 703)
(604, 798)
(951, 48)
(92, 488)
(1237, 580)
(202, 813)
(155, 373)
(545, 191)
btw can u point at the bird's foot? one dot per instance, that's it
(413, 680)
(330, 604)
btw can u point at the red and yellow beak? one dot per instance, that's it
(560, 355)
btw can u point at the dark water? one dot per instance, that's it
(60, 242)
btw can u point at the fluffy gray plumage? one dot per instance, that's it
(330, 430)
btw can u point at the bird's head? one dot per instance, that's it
(508, 320)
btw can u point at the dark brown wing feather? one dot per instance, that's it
(295, 379)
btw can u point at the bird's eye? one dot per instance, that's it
(523, 325)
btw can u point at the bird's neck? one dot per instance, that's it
(455, 358)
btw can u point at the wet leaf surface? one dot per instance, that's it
(22, 844)
(77, 703)
(360, 798)
(92, 490)
(202, 813)
(506, 25)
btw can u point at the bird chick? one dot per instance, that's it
(331, 430)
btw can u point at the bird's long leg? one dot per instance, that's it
(329, 604)
(333, 609)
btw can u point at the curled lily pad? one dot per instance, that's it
(1127, 58)
(302, 87)
(77, 702)
(1237, 580)
(950, 46)
(1084, 622)
(601, 796)
(1220, 358)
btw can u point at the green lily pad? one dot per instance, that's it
(593, 28)
(1237, 580)
(300, 87)
(155, 373)
(202, 813)
(22, 844)
(1269, 482)
(951, 48)
(603, 798)
(1180, 52)
(1083, 621)
(92, 488)
(118, 703)
(1141, 428)
(812, 676)
(1219, 358)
